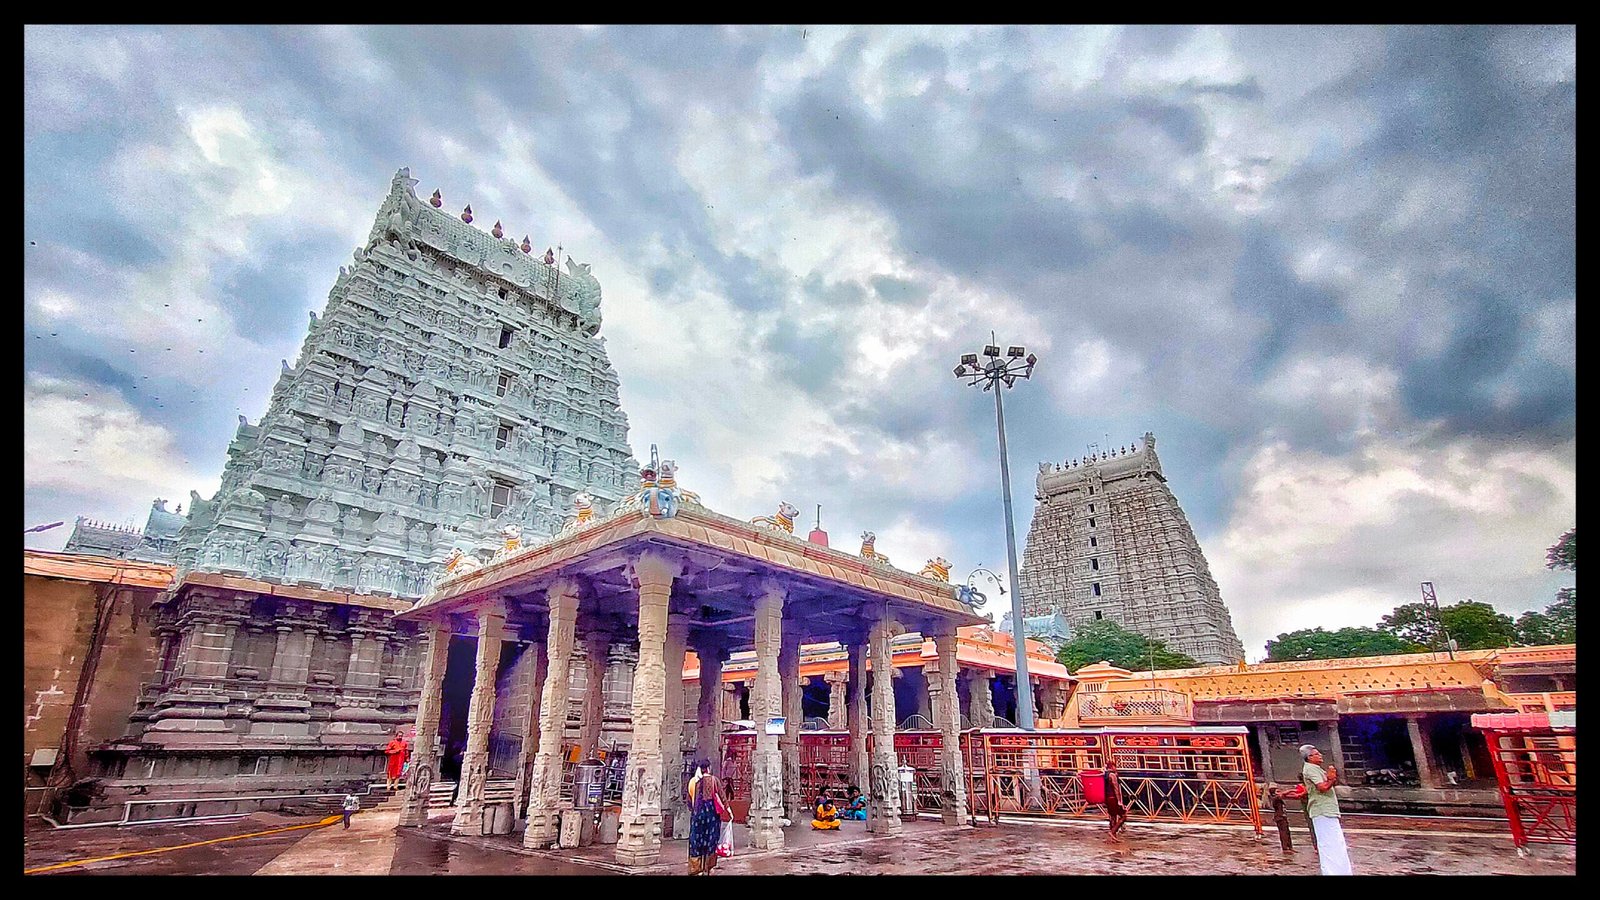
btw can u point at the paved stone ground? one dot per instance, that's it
(374, 846)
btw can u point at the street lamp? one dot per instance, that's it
(996, 371)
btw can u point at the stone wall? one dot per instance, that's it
(58, 628)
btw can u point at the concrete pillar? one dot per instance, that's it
(1422, 749)
(675, 807)
(425, 752)
(766, 801)
(639, 843)
(838, 686)
(980, 712)
(530, 727)
(480, 720)
(856, 717)
(789, 743)
(947, 718)
(544, 796)
(709, 712)
(597, 650)
(883, 802)
(1266, 753)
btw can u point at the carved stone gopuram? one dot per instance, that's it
(1109, 541)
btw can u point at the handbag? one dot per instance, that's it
(723, 812)
(725, 844)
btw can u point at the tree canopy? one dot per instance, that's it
(1473, 625)
(1315, 643)
(1106, 640)
(1564, 555)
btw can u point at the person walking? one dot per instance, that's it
(707, 811)
(1322, 806)
(352, 804)
(1117, 816)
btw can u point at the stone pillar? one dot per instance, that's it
(1422, 749)
(675, 807)
(366, 658)
(856, 717)
(531, 728)
(544, 796)
(480, 720)
(639, 843)
(211, 649)
(1336, 748)
(980, 711)
(947, 718)
(838, 686)
(883, 801)
(597, 650)
(291, 661)
(1266, 752)
(766, 801)
(927, 701)
(732, 710)
(709, 714)
(1468, 770)
(425, 752)
(789, 744)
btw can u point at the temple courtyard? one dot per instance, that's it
(374, 845)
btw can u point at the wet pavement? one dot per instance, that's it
(43, 846)
(1377, 846)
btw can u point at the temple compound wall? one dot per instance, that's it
(1109, 541)
(452, 397)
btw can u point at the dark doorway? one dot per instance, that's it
(1005, 697)
(814, 699)
(460, 668)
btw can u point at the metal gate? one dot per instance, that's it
(1536, 764)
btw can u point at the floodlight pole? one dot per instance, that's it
(1019, 636)
(996, 374)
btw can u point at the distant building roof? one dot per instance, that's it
(1052, 629)
(92, 568)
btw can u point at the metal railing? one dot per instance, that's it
(1148, 704)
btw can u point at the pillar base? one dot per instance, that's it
(644, 856)
(544, 830)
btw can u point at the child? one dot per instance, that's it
(352, 804)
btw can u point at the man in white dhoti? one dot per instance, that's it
(1322, 807)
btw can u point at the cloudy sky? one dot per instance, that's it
(1333, 269)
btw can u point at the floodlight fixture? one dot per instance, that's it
(991, 351)
(1015, 352)
(969, 359)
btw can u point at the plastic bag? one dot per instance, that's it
(725, 844)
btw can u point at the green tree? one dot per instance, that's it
(1315, 643)
(1558, 622)
(1473, 625)
(1106, 640)
(1564, 555)
(1555, 624)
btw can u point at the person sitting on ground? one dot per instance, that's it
(827, 816)
(855, 806)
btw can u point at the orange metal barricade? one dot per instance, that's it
(1167, 774)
